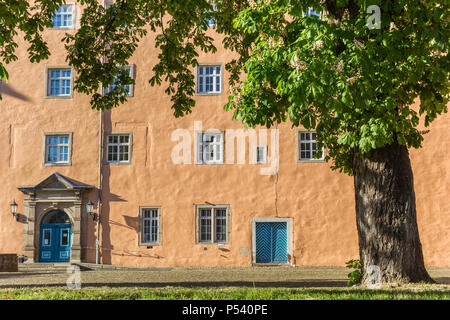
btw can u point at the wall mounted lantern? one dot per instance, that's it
(90, 210)
(14, 210)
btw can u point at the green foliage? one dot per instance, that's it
(354, 277)
(29, 19)
(353, 84)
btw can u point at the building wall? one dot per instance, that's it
(319, 201)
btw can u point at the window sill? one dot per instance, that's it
(59, 97)
(311, 161)
(217, 244)
(209, 94)
(153, 244)
(61, 28)
(209, 163)
(117, 163)
(62, 164)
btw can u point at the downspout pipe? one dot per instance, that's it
(100, 160)
(99, 195)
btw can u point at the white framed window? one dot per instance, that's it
(261, 154)
(213, 224)
(64, 16)
(313, 13)
(307, 146)
(57, 149)
(150, 226)
(209, 79)
(108, 3)
(210, 21)
(210, 146)
(59, 82)
(118, 148)
(128, 88)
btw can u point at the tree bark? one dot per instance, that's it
(386, 216)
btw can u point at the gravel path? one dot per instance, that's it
(291, 277)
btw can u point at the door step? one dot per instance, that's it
(44, 267)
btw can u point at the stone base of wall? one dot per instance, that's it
(8, 262)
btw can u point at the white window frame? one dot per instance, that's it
(310, 12)
(46, 161)
(109, 3)
(49, 80)
(130, 90)
(213, 224)
(203, 145)
(310, 142)
(62, 14)
(142, 220)
(201, 76)
(211, 23)
(109, 144)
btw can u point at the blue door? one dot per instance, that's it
(55, 237)
(271, 242)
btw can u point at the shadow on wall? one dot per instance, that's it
(130, 223)
(105, 255)
(7, 90)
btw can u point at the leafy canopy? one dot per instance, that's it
(355, 85)
(30, 19)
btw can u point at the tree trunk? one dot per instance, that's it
(386, 216)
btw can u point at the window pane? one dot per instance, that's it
(64, 139)
(205, 225)
(52, 154)
(221, 225)
(217, 84)
(52, 140)
(124, 139)
(150, 224)
(47, 234)
(200, 86)
(64, 237)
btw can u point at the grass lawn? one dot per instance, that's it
(222, 294)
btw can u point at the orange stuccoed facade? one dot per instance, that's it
(160, 205)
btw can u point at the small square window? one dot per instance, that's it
(213, 224)
(210, 20)
(210, 146)
(59, 82)
(64, 16)
(128, 88)
(312, 12)
(209, 79)
(57, 149)
(308, 147)
(118, 148)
